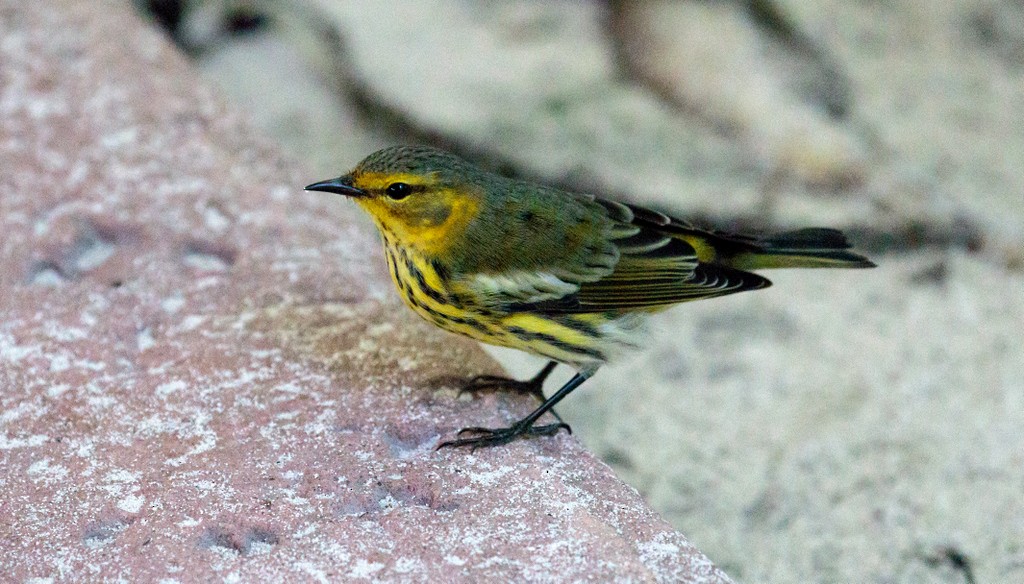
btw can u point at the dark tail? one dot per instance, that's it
(803, 248)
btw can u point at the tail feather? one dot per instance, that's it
(803, 248)
(812, 237)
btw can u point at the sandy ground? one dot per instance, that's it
(840, 426)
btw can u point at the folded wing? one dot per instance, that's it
(657, 266)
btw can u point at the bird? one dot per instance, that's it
(570, 277)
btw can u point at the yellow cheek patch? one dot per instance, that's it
(412, 220)
(435, 239)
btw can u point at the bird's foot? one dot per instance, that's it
(486, 437)
(534, 386)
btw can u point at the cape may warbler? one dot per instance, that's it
(566, 276)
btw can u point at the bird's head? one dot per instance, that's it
(422, 197)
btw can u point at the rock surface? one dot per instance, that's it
(840, 426)
(202, 376)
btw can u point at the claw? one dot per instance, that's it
(489, 380)
(497, 436)
(525, 427)
(494, 382)
(476, 429)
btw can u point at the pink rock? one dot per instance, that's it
(203, 372)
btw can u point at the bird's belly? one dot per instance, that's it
(576, 339)
(438, 306)
(579, 340)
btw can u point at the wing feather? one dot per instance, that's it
(654, 261)
(518, 287)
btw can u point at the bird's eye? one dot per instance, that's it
(397, 190)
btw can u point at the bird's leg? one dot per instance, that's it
(533, 386)
(525, 427)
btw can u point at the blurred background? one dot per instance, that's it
(862, 426)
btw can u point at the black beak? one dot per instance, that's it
(339, 186)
